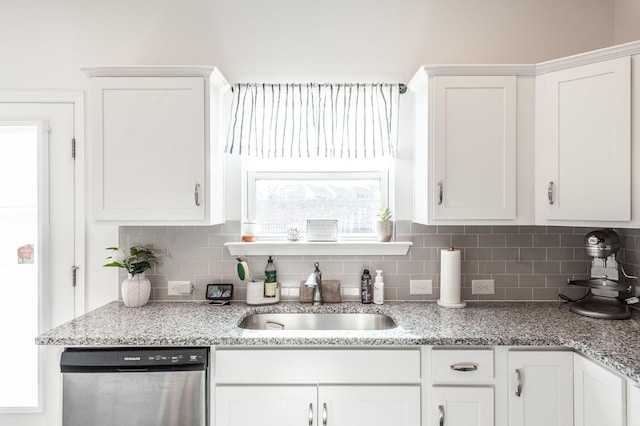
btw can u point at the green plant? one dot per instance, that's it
(139, 260)
(384, 214)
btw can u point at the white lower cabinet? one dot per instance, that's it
(265, 405)
(599, 395)
(633, 403)
(327, 387)
(462, 406)
(317, 405)
(540, 388)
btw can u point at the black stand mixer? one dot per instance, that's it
(605, 283)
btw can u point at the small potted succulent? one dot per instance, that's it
(136, 289)
(384, 226)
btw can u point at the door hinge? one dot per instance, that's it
(74, 275)
(73, 148)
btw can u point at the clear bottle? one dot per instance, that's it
(365, 287)
(378, 288)
(270, 279)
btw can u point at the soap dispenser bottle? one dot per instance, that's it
(378, 288)
(365, 287)
(270, 279)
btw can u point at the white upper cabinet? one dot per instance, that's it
(156, 143)
(466, 146)
(583, 144)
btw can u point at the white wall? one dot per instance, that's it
(626, 21)
(44, 43)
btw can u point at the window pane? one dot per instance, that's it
(353, 202)
(18, 266)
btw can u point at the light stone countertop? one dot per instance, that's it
(615, 343)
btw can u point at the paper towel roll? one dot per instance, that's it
(450, 280)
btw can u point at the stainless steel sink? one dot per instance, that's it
(318, 321)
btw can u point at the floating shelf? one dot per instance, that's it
(301, 248)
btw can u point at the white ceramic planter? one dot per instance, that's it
(136, 291)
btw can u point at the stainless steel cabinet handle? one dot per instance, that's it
(440, 194)
(519, 382)
(550, 192)
(197, 194)
(465, 366)
(324, 414)
(310, 414)
(441, 415)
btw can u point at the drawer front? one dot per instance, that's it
(462, 366)
(317, 366)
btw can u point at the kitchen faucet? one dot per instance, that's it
(315, 281)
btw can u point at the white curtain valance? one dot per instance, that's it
(346, 121)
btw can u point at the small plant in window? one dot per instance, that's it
(385, 214)
(384, 226)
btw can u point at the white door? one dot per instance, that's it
(371, 405)
(462, 406)
(39, 225)
(583, 143)
(599, 395)
(540, 388)
(265, 405)
(474, 147)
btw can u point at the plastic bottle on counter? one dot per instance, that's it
(365, 287)
(378, 288)
(270, 279)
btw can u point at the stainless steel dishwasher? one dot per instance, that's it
(135, 386)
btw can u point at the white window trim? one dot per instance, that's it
(253, 175)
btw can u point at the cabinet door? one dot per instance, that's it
(633, 404)
(540, 388)
(583, 143)
(462, 406)
(599, 395)
(474, 147)
(265, 405)
(369, 405)
(149, 148)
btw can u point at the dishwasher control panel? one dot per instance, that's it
(128, 359)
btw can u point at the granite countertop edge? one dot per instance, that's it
(613, 343)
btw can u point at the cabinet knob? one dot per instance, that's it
(550, 192)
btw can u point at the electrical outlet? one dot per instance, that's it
(420, 287)
(483, 287)
(179, 288)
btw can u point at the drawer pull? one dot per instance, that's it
(465, 366)
(550, 192)
(310, 414)
(519, 382)
(196, 194)
(441, 415)
(440, 194)
(324, 414)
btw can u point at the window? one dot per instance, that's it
(316, 189)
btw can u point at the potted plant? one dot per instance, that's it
(136, 289)
(384, 226)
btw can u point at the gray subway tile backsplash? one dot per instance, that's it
(526, 262)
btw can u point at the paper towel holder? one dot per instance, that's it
(450, 287)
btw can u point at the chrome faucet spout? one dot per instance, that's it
(315, 281)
